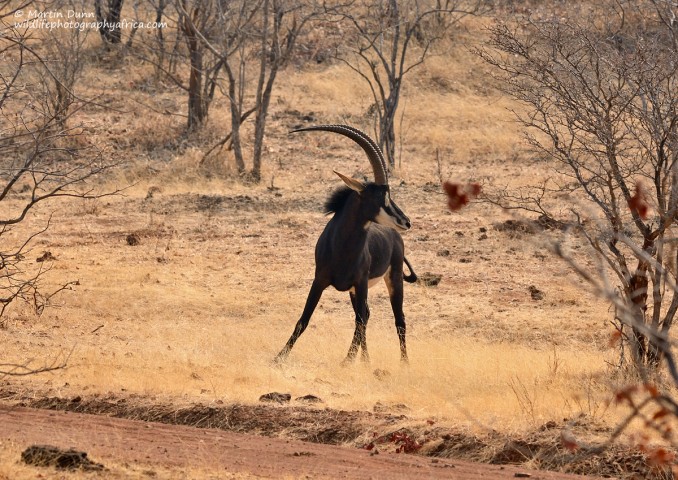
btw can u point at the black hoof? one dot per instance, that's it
(278, 360)
(347, 361)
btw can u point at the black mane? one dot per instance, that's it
(335, 203)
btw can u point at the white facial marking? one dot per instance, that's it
(387, 220)
(387, 199)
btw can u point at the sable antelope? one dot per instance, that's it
(359, 246)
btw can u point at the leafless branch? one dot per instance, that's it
(25, 369)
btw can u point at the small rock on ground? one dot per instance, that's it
(50, 456)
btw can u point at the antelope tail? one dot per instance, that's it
(412, 277)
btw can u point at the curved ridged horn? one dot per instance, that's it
(372, 150)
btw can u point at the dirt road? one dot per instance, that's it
(135, 442)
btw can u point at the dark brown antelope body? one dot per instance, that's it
(359, 246)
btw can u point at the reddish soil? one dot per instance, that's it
(121, 441)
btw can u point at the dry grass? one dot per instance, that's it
(200, 307)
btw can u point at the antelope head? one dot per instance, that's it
(375, 196)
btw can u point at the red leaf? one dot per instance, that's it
(660, 456)
(638, 202)
(458, 195)
(625, 394)
(652, 390)
(615, 338)
(660, 414)
(568, 441)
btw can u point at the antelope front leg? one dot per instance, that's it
(362, 315)
(311, 302)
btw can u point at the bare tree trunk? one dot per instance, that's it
(62, 103)
(387, 140)
(236, 121)
(263, 97)
(197, 106)
(197, 111)
(109, 20)
(394, 83)
(638, 295)
(260, 128)
(160, 51)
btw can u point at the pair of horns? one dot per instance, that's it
(370, 147)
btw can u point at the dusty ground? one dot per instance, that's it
(133, 436)
(212, 453)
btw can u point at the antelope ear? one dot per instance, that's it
(352, 183)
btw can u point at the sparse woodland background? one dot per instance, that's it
(157, 222)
